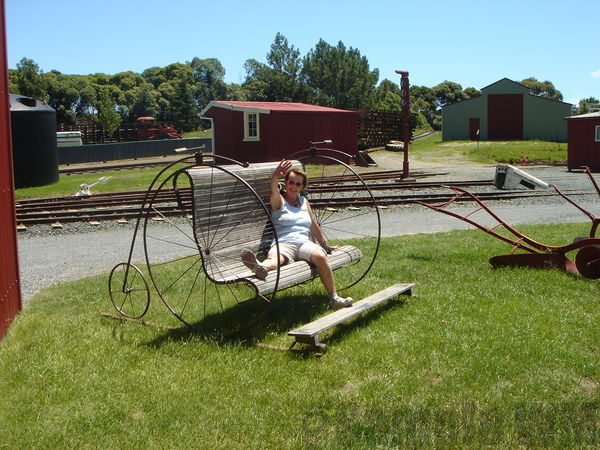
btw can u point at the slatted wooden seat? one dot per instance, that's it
(229, 217)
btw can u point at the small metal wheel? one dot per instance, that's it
(588, 262)
(194, 258)
(344, 207)
(128, 290)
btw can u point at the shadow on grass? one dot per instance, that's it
(286, 313)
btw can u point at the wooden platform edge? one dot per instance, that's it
(309, 333)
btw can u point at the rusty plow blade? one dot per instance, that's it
(536, 261)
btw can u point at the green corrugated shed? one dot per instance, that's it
(506, 110)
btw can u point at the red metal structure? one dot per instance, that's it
(147, 128)
(537, 254)
(268, 131)
(584, 141)
(10, 288)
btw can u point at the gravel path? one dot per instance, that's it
(49, 256)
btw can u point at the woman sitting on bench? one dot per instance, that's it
(293, 220)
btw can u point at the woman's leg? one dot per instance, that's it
(319, 259)
(271, 262)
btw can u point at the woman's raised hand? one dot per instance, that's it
(283, 168)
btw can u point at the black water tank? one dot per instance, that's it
(35, 157)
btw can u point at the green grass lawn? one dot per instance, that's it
(120, 180)
(489, 152)
(480, 357)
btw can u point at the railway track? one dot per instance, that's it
(127, 206)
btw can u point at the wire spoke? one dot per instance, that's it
(191, 238)
(166, 241)
(190, 292)
(231, 229)
(180, 276)
(218, 226)
(364, 211)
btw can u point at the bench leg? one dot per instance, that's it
(310, 340)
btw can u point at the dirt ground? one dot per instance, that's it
(455, 166)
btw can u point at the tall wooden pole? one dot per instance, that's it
(404, 95)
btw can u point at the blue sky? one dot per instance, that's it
(474, 43)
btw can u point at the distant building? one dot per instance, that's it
(269, 131)
(584, 141)
(505, 110)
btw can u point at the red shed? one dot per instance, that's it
(269, 131)
(10, 290)
(584, 141)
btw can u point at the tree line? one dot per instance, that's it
(328, 75)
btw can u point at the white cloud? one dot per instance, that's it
(573, 101)
(596, 74)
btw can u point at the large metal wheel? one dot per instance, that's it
(128, 290)
(189, 256)
(344, 207)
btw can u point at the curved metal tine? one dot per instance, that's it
(520, 236)
(572, 202)
(587, 170)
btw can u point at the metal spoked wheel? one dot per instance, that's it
(344, 207)
(128, 290)
(189, 257)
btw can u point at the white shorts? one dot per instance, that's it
(293, 252)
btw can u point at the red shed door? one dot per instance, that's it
(505, 116)
(474, 129)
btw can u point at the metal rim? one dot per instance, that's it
(214, 297)
(128, 290)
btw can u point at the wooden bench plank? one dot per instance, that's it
(309, 333)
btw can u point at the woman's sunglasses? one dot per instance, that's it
(297, 183)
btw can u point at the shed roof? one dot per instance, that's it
(586, 116)
(267, 107)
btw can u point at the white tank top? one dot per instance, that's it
(292, 224)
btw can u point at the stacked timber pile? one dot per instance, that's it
(378, 127)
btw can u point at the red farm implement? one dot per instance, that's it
(537, 254)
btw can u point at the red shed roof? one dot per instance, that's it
(267, 107)
(592, 115)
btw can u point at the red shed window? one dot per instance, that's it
(251, 126)
(597, 133)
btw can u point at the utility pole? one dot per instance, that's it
(405, 102)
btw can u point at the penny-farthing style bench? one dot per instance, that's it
(221, 210)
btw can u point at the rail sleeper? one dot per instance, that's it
(227, 211)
